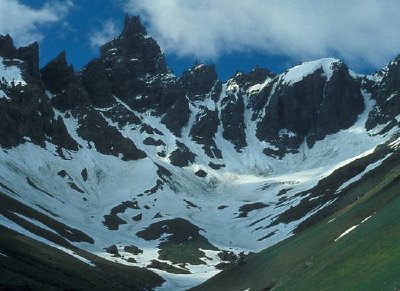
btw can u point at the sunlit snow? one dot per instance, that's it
(297, 73)
(10, 74)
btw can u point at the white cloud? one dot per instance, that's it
(106, 33)
(23, 22)
(359, 31)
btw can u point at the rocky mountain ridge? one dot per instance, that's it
(129, 154)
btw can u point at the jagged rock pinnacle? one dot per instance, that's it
(56, 73)
(133, 26)
(7, 48)
(30, 54)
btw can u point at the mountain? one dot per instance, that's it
(125, 166)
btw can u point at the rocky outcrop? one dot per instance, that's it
(177, 116)
(130, 81)
(107, 139)
(310, 108)
(7, 48)
(182, 156)
(60, 136)
(26, 115)
(342, 103)
(99, 88)
(232, 118)
(60, 80)
(256, 76)
(204, 129)
(129, 58)
(387, 96)
(201, 81)
(30, 55)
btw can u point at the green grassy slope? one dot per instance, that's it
(31, 265)
(367, 258)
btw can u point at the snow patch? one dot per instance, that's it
(258, 87)
(347, 232)
(297, 73)
(395, 144)
(359, 176)
(11, 74)
(286, 133)
(3, 95)
(76, 256)
(352, 228)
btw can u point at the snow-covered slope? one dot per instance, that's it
(132, 164)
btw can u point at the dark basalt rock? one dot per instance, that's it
(177, 116)
(312, 107)
(180, 230)
(60, 136)
(341, 105)
(112, 221)
(182, 156)
(112, 250)
(258, 101)
(201, 173)
(60, 79)
(97, 84)
(199, 81)
(135, 71)
(129, 57)
(134, 250)
(164, 94)
(28, 115)
(256, 76)
(149, 130)
(204, 129)
(290, 107)
(57, 74)
(158, 93)
(138, 51)
(163, 173)
(153, 142)
(232, 118)
(107, 139)
(84, 174)
(7, 48)
(246, 208)
(133, 26)
(216, 166)
(281, 151)
(122, 116)
(387, 96)
(162, 154)
(30, 55)
(180, 236)
(137, 217)
(230, 259)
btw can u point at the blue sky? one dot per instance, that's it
(233, 34)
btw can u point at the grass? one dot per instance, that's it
(183, 242)
(182, 253)
(31, 265)
(368, 258)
